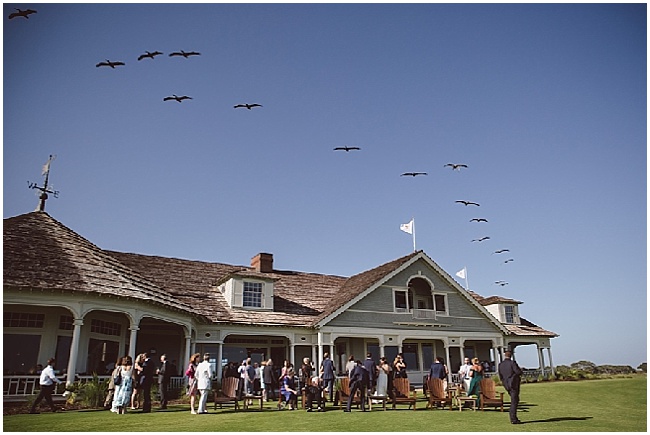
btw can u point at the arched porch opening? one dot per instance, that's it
(157, 337)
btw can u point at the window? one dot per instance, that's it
(106, 328)
(65, 323)
(441, 303)
(401, 301)
(23, 320)
(252, 294)
(509, 311)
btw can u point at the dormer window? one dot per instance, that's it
(509, 313)
(252, 294)
(248, 292)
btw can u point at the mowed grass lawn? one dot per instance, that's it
(611, 405)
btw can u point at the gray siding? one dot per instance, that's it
(376, 309)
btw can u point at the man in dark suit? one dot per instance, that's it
(510, 374)
(327, 371)
(270, 380)
(371, 367)
(437, 370)
(164, 373)
(359, 380)
(146, 379)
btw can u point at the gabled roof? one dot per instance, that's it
(364, 283)
(39, 253)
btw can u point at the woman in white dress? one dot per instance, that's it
(382, 379)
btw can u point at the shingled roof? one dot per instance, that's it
(41, 254)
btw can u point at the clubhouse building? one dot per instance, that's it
(65, 297)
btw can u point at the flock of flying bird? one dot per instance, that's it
(181, 53)
(186, 54)
(454, 167)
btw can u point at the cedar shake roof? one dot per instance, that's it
(39, 253)
(498, 300)
(529, 328)
(356, 284)
(525, 327)
(298, 297)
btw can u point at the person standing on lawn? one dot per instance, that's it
(146, 379)
(510, 374)
(204, 383)
(47, 381)
(327, 374)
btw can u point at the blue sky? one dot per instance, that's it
(546, 104)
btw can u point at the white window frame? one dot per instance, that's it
(435, 308)
(515, 315)
(258, 293)
(406, 295)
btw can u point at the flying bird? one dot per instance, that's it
(456, 166)
(501, 251)
(177, 98)
(478, 220)
(20, 13)
(413, 174)
(109, 63)
(509, 260)
(149, 55)
(501, 283)
(481, 239)
(248, 106)
(346, 148)
(184, 54)
(468, 203)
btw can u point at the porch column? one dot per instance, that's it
(314, 354)
(186, 359)
(292, 353)
(550, 361)
(462, 351)
(381, 349)
(447, 360)
(74, 351)
(219, 359)
(320, 350)
(540, 354)
(133, 340)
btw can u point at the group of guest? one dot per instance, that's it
(131, 379)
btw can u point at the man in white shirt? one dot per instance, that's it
(464, 373)
(204, 382)
(47, 382)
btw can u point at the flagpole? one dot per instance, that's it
(413, 220)
(466, 280)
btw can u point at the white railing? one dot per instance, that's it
(419, 313)
(28, 385)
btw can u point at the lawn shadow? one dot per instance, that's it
(554, 419)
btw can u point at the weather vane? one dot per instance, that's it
(44, 189)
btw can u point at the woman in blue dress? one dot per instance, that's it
(288, 389)
(123, 391)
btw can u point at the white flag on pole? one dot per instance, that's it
(462, 273)
(407, 228)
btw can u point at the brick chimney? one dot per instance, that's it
(262, 262)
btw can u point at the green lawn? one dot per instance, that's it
(612, 405)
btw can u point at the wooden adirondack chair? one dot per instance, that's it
(344, 393)
(437, 393)
(227, 393)
(488, 394)
(403, 392)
